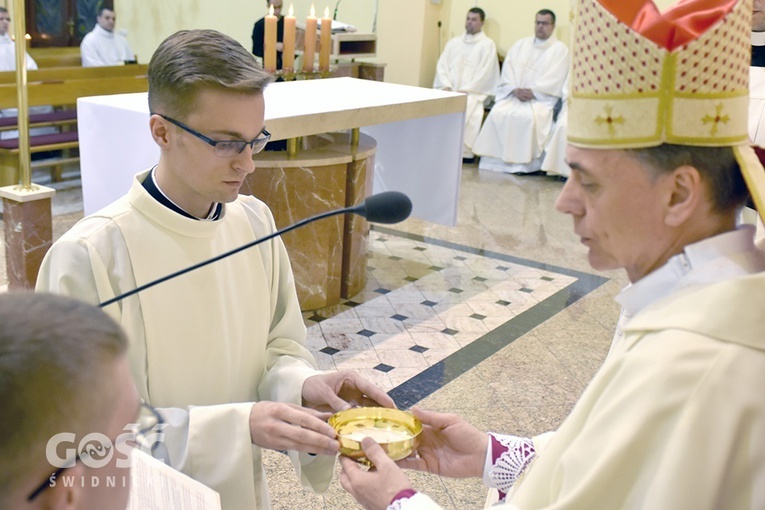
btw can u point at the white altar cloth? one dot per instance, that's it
(418, 133)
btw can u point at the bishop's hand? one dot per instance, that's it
(448, 446)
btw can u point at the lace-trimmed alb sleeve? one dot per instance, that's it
(506, 459)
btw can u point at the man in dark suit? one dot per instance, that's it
(258, 33)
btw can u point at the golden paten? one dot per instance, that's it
(395, 430)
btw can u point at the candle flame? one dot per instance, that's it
(313, 11)
(271, 10)
(326, 12)
(291, 11)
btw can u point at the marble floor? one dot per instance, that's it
(499, 319)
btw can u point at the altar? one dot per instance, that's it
(411, 141)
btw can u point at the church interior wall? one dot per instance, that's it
(433, 35)
(149, 22)
(400, 39)
(409, 38)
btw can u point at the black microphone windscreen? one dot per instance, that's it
(386, 207)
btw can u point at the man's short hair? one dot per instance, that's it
(55, 354)
(479, 11)
(102, 9)
(718, 167)
(3, 9)
(190, 61)
(547, 12)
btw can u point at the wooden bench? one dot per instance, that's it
(58, 74)
(55, 118)
(56, 57)
(59, 88)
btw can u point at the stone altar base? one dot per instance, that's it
(328, 257)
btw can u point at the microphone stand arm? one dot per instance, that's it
(353, 209)
(334, 17)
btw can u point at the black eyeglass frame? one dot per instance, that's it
(261, 141)
(140, 432)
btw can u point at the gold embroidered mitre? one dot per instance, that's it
(641, 78)
(659, 82)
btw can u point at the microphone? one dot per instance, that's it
(334, 17)
(386, 207)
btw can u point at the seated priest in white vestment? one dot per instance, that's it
(103, 46)
(8, 63)
(221, 349)
(554, 158)
(469, 64)
(674, 418)
(515, 132)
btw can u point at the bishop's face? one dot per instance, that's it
(617, 206)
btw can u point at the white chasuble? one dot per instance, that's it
(516, 131)
(469, 64)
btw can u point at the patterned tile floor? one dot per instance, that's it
(424, 301)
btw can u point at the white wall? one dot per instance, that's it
(149, 22)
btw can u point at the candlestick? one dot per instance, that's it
(269, 42)
(326, 41)
(310, 41)
(288, 55)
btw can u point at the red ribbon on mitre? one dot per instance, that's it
(681, 24)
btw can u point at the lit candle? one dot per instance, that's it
(310, 41)
(269, 43)
(288, 56)
(326, 41)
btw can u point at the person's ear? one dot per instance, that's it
(159, 131)
(685, 193)
(64, 496)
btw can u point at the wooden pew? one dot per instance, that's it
(56, 57)
(62, 90)
(52, 74)
(66, 92)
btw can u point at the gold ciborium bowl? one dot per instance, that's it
(396, 431)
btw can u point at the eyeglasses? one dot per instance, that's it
(148, 420)
(224, 148)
